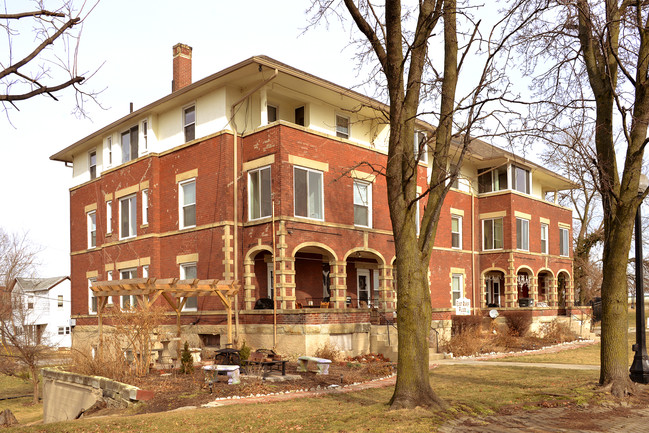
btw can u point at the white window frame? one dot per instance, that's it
(183, 276)
(341, 130)
(132, 216)
(109, 277)
(92, 167)
(129, 273)
(418, 137)
(91, 219)
(59, 301)
(91, 297)
(528, 183)
(131, 134)
(492, 247)
(251, 209)
(308, 188)
(145, 206)
(456, 288)
(109, 147)
(564, 242)
(522, 234)
(109, 217)
(458, 232)
(367, 205)
(494, 179)
(274, 107)
(545, 244)
(182, 205)
(417, 217)
(189, 124)
(145, 135)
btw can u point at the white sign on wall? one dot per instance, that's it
(463, 307)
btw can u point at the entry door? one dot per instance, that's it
(364, 286)
(493, 291)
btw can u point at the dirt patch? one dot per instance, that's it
(172, 390)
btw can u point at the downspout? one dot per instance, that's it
(475, 304)
(235, 195)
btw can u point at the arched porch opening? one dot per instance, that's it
(563, 282)
(545, 288)
(366, 280)
(258, 279)
(493, 286)
(524, 287)
(313, 276)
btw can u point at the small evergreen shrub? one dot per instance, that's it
(245, 350)
(186, 360)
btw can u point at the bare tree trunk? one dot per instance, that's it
(33, 369)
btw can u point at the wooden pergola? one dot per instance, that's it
(173, 290)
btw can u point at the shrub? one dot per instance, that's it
(328, 351)
(466, 343)
(245, 350)
(186, 360)
(518, 322)
(557, 332)
(461, 324)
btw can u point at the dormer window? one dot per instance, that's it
(130, 144)
(342, 126)
(492, 179)
(521, 179)
(421, 147)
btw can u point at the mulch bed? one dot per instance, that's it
(172, 390)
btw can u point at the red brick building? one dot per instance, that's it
(257, 174)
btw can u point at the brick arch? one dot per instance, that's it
(249, 274)
(550, 295)
(380, 257)
(332, 254)
(567, 298)
(545, 270)
(525, 268)
(483, 292)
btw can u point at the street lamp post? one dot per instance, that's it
(640, 367)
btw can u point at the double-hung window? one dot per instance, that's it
(492, 179)
(456, 231)
(271, 111)
(128, 217)
(342, 126)
(522, 234)
(188, 272)
(308, 193)
(456, 287)
(145, 135)
(544, 238)
(130, 144)
(109, 147)
(92, 229)
(259, 193)
(109, 217)
(564, 245)
(189, 123)
(362, 203)
(492, 234)
(92, 300)
(421, 147)
(92, 164)
(145, 206)
(59, 301)
(187, 203)
(128, 301)
(521, 179)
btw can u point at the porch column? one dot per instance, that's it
(511, 285)
(570, 293)
(248, 283)
(553, 293)
(534, 289)
(387, 298)
(338, 283)
(482, 293)
(285, 279)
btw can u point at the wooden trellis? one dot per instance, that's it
(173, 290)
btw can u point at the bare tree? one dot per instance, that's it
(604, 43)
(21, 345)
(421, 82)
(571, 155)
(49, 63)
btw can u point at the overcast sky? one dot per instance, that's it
(133, 40)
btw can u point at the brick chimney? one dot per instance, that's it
(182, 65)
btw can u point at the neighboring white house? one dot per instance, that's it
(46, 304)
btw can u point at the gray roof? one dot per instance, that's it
(39, 284)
